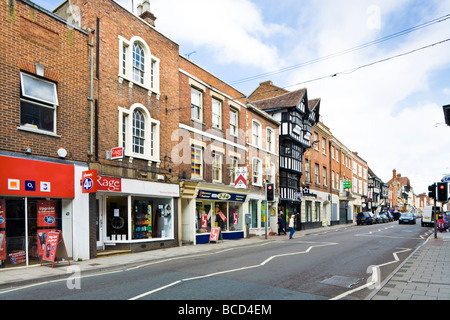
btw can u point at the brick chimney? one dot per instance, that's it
(143, 11)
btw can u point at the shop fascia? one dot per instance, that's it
(137, 211)
(217, 206)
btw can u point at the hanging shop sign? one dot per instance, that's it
(117, 153)
(89, 181)
(241, 178)
(221, 196)
(54, 247)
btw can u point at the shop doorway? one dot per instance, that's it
(100, 223)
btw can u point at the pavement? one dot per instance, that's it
(425, 274)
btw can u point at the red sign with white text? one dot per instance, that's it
(117, 153)
(214, 234)
(89, 181)
(54, 247)
(46, 213)
(109, 184)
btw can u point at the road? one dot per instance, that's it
(346, 264)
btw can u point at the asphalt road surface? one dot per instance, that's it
(346, 264)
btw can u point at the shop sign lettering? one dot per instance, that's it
(222, 196)
(109, 184)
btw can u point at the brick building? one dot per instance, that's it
(44, 133)
(135, 111)
(215, 142)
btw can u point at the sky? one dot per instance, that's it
(382, 99)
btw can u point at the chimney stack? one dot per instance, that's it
(143, 11)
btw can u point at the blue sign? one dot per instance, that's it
(30, 185)
(88, 184)
(49, 219)
(221, 196)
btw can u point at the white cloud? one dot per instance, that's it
(232, 31)
(385, 112)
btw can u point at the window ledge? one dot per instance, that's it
(38, 131)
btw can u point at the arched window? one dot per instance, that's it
(138, 132)
(138, 63)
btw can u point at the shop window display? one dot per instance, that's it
(151, 218)
(226, 215)
(17, 216)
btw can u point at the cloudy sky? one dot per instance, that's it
(385, 100)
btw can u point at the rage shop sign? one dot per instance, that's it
(91, 182)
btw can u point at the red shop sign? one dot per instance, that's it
(109, 184)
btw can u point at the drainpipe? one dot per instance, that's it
(91, 97)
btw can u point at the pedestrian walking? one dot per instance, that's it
(291, 226)
(281, 223)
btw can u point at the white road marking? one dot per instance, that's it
(230, 271)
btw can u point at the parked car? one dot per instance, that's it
(407, 218)
(377, 218)
(364, 217)
(389, 216)
(384, 217)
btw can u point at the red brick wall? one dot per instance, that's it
(115, 21)
(29, 36)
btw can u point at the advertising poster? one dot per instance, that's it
(41, 239)
(51, 245)
(54, 247)
(214, 234)
(2, 245)
(2, 230)
(46, 213)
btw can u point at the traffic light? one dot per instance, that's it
(432, 191)
(442, 192)
(270, 192)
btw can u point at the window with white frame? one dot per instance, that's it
(324, 146)
(216, 113)
(271, 173)
(316, 172)
(39, 99)
(137, 64)
(139, 134)
(270, 138)
(234, 163)
(256, 133)
(196, 162)
(196, 104)
(234, 122)
(257, 172)
(217, 167)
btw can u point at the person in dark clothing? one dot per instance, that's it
(281, 223)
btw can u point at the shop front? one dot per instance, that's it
(37, 197)
(208, 207)
(135, 215)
